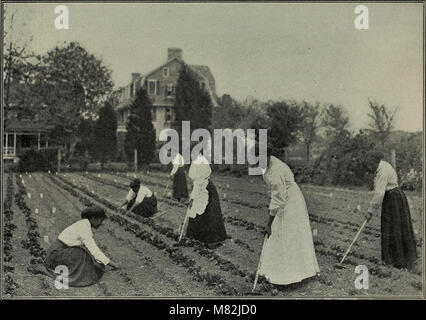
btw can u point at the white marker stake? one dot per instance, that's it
(36, 210)
(29, 195)
(315, 232)
(99, 175)
(358, 207)
(41, 196)
(48, 171)
(46, 239)
(227, 185)
(224, 195)
(30, 176)
(53, 210)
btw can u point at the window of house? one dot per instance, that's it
(170, 90)
(152, 87)
(203, 85)
(168, 115)
(166, 72)
(153, 114)
(131, 89)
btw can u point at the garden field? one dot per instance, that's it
(38, 206)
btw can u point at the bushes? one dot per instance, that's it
(42, 160)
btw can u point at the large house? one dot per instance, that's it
(160, 84)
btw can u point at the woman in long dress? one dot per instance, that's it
(76, 249)
(205, 214)
(140, 200)
(289, 254)
(180, 188)
(397, 237)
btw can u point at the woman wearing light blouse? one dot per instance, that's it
(397, 238)
(289, 253)
(140, 200)
(76, 249)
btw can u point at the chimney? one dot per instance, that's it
(135, 76)
(174, 53)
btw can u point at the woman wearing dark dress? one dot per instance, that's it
(205, 215)
(397, 237)
(76, 249)
(140, 200)
(180, 188)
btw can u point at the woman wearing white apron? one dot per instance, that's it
(289, 254)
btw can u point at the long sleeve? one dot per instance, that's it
(130, 195)
(380, 183)
(278, 195)
(90, 244)
(174, 170)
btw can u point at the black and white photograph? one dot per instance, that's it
(211, 150)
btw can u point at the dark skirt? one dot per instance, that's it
(147, 208)
(398, 243)
(208, 227)
(83, 269)
(180, 188)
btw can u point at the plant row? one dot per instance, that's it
(231, 220)
(332, 250)
(10, 285)
(33, 236)
(174, 252)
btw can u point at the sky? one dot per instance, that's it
(302, 51)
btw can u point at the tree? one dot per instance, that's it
(192, 102)
(343, 162)
(140, 133)
(228, 114)
(105, 135)
(382, 120)
(310, 124)
(71, 85)
(284, 121)
(17, 69)
(334, 120)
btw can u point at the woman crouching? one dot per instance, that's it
(140, 200)
(76, 250)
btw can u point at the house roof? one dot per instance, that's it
(15, 125)
(204, 71)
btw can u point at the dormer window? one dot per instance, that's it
(203, 85)
(165, 72)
